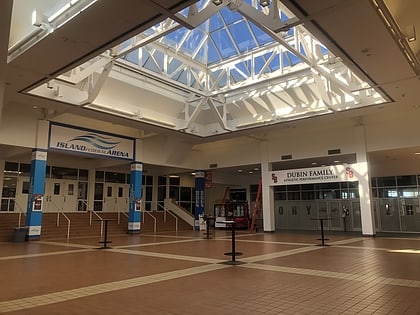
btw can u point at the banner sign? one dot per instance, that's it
(313, 175)
(208, 179)
(86, 141)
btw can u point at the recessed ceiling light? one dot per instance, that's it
(240, 171)
(336, 161)
(251, 172)
(256, 169)
(314, 163)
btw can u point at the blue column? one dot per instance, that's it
(199, 196)
(36, 194)
(134, 215)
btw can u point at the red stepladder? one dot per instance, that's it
(257, 207)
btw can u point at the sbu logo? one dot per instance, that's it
(274, 178)
(349, 172)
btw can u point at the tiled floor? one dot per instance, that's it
(281, 273)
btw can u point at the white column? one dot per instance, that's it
(91, 188)
(267, 191)
(365, 189)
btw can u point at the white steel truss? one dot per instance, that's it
(279, 73)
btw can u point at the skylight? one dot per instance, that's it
(218, 69)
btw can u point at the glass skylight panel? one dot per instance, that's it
(262, 37)
(230, 16)
(189, 45)
(174, 38)
(133, 57)
(224, 44)
(215, 22)
(213, 54)
(243, 37)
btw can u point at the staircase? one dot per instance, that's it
(80, 224)
(8, 221)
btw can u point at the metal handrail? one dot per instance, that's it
(68, 222)
(119, 214)
(166, 210)
(153, 217)
(20, 209)
(98, 216)
(61, 210)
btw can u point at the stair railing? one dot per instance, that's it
(21, 212)
(167, 211)
(152, 216)
(119, 215)
(98, 216)
(68, 222)
(61, 211)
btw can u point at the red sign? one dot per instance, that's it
(208, 183)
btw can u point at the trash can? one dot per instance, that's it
(20, 233)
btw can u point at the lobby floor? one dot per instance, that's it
(184, 273)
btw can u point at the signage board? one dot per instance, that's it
(313, 175)
(86, 141)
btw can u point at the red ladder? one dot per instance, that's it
(256, 207)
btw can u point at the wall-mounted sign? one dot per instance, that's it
(86, 141)
(313, 175)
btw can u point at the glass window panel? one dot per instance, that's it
(112, 177)
(353, 193)
(57, 188)
(109, 191)
(149, 193)
(70, 188)
(97, 205)
(189, 45)
(230, 16)
(293, 188)
(99, 176)
(9, 187)
(386, 181)
(120, 191)
(4, 205)
(83, 174)
(374, 182)
(174, 181)
(242, 35)
(25, 187)
(185, 193)
(223, 43)
(99, 191)
(308, 195)
(81, 206)
(64, 173)
(161, 193)
(174, 192)
(407, 192)
(82, 188)
(389, 192)
(262, 37)
(409, 180)
(215, 22)
(149, 180)
(11, 166)
(293, 195)
(25, 169)
(162, 180)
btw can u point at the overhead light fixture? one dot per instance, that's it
(217, 2)
(410, 33)
(265, 3)
(37, 18)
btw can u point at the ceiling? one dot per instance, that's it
(352, 30)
